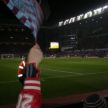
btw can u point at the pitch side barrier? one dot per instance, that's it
(73, 105)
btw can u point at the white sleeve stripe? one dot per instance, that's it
(31, 81)
(32, 87)
(21, 67)
(20, 75)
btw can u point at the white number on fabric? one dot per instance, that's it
(24, 101)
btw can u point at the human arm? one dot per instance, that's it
(30, 95)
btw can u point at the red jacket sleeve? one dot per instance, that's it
(30, 95)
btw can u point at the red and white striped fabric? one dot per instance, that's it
(28, 12)
(30, 96)
(32, 84)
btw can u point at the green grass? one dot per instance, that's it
(59, 77)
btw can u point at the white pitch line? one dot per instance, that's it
(77, 73)
(65, 76)
(63, 71)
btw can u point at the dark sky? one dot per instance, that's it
(60, 9)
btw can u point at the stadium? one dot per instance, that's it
(75, 57)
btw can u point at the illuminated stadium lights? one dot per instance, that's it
(88, 14)
(83, 16)
(79, 17)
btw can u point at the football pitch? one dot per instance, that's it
(59, 77)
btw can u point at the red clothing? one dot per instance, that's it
(30, 96)
(21, 69)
